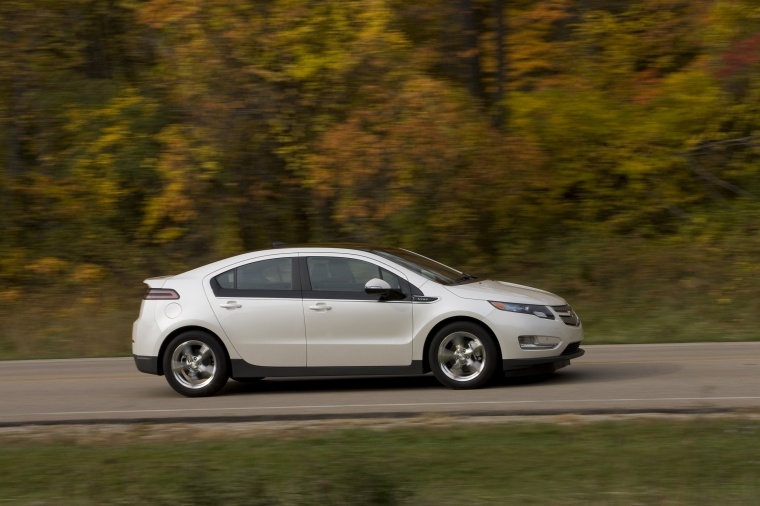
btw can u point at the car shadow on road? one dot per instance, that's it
(580, 374)
(332, 384)
(611, 373)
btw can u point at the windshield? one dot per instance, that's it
(425, 267)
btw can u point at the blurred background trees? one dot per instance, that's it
(590, 145)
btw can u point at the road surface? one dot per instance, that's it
(662, 378)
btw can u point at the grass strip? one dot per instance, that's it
(670, 462)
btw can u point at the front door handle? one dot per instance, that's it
(320, 307)
(231, 305)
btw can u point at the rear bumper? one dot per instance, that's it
(147, 364)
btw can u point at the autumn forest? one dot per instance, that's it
(608, 150)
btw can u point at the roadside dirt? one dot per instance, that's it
(125, 433)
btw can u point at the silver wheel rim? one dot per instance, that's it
(193, 364)
(461, 356)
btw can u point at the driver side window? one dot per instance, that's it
(337, 274)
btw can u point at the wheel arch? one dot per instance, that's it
(457, 319)
(181, 330)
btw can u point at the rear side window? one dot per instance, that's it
(276, 274)
(265, 278)
(227, 280)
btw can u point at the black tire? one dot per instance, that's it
(195, 364)
(463, 355)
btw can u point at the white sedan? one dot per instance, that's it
(345, 310)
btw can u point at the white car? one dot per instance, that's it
(345, 310)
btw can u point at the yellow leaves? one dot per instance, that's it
(9, 296)
(159, 13)
(109, 140)
(535, 54)
(635, 169)
(730, 20)
(86, 274)
(325, 40)
(168, 234)
(48, 267)
(186, 166)
(54, 270)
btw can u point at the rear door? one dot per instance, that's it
(259, 306)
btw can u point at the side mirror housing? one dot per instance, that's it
(377, 286)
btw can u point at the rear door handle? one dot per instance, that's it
(231, 305)
(320, 307)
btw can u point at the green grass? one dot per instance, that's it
(702, 461)
(68, 324)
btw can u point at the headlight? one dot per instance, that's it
(540, 311)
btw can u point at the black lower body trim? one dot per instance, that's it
(242, 369)
(146, 364)
(556, 362)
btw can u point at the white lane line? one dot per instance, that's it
(384, 405)
(130, 377)
(745, 361)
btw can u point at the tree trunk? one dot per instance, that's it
(469, 49)
(499, 108)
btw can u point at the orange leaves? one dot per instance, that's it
(536, 53)
(418, 165)
(740, 55)
(159, 13)
(186, 166)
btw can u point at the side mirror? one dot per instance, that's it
(377, 286)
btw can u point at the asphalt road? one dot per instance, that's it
(661, 378)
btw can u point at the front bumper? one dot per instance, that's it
(539, 365)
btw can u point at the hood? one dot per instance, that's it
(505, 292)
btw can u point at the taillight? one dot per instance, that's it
(161, 294)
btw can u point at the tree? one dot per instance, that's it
(419, 167)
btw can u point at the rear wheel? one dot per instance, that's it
(462, 355)
(195, 364)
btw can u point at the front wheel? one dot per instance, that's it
(462, 355)
(195, 364)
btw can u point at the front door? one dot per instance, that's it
(347, 327)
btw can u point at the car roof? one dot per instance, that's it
(364, 247)
(333, 245)
(286, 248)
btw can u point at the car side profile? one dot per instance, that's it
(346, 310)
